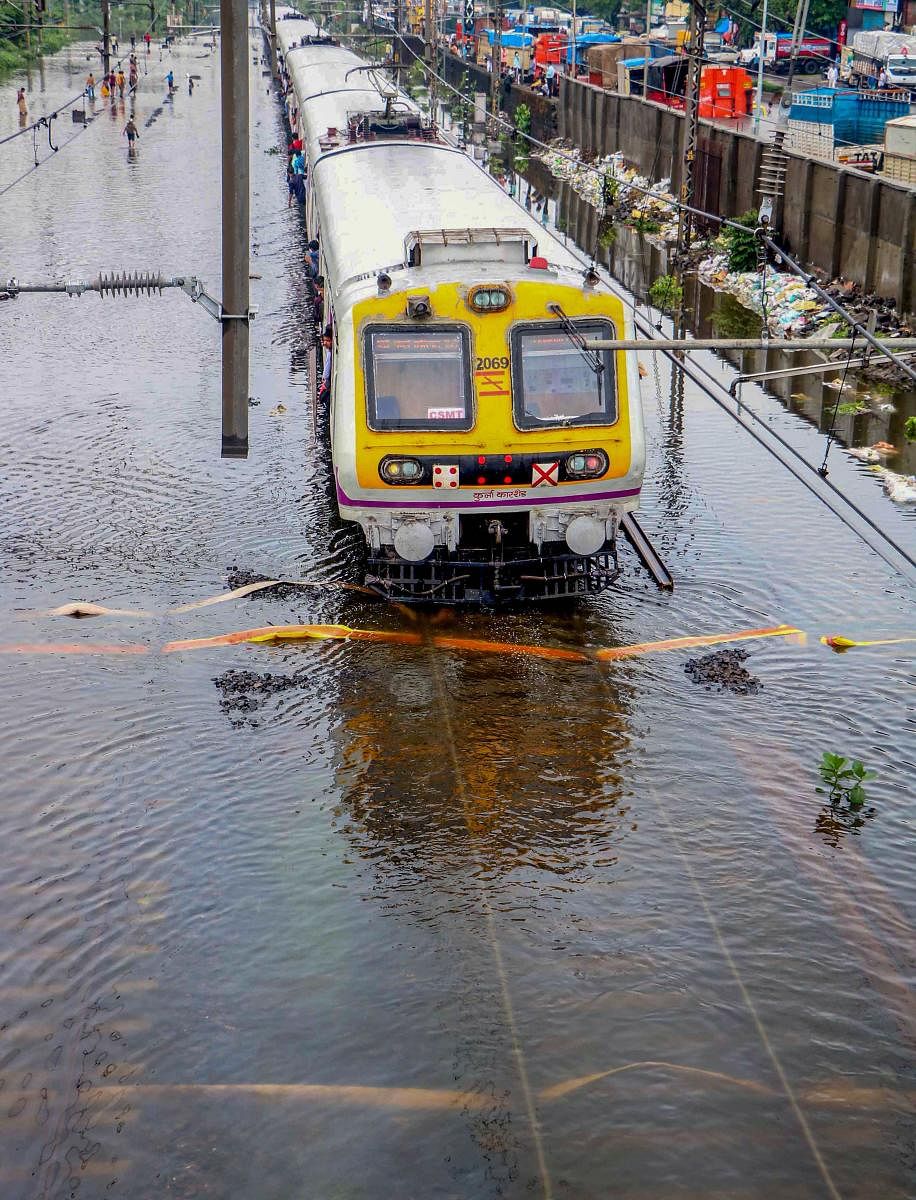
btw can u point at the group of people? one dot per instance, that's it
(546, 81)
(115, 81)
(296, 177)
(295, 174)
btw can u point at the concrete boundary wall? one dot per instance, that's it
(843, 222)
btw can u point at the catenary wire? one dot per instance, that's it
(42, 120)
(8, 187)
(796, 268)
(695, 370)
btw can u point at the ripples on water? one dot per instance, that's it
(411, 871)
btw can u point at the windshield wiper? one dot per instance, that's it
(592, 357)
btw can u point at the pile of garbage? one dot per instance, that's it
(611, 184)
(789, 306)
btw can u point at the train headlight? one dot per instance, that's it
(400, 470)
(586, 464)
(488, 298)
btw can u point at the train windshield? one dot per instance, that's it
(419, 378)
(555, 383)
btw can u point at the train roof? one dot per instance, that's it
(398, 190)
(377, 196)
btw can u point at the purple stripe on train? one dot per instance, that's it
(525, 498)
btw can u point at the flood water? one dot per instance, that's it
(413, 920)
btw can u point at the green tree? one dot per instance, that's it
(823, 16)
(607, 10)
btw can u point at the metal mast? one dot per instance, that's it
(106, 37)
(798, 34)
(496, 56)
(235, 313)
(691, 127)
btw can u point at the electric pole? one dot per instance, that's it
(106, 36)
(691, 129)
(152, 16)
(274, 66)
(235, 309)
(798, 33)
(396, 40)
(431, 20)
(573, 64)
(496, 61)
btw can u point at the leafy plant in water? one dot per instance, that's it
(607, 235)
(666, 293)
(731, 319)
(740, 247)
(852, 408)
(645, 225)
(522, 118)
(909, 429)
(844, 779)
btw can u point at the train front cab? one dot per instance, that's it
(492, 456)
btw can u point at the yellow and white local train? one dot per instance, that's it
(484, 451)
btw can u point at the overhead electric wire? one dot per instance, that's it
(822, 471)
(777, 250)
(50, 158)
(710, 385)
(86, 125)
(42, 120)
(805, 33)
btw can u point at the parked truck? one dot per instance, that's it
(814, 53)
(873, 52)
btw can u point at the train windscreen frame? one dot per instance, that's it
(418, 378)
(553, 384)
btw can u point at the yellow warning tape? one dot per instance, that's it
(271, 634)
(286, 633)
(710, 639)
(839, 644)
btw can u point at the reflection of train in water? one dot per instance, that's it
(485, 452)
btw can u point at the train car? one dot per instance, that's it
(485, 452)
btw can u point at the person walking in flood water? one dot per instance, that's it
(90, 86)
(190, 85)
(146, 38)
(170, 80)
(133, 136)
(22, 105)
(121, 80)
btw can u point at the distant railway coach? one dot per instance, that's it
(486, 452)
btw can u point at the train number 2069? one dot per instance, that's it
(493, 364)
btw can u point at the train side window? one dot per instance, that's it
(418, 378)
(553, 383)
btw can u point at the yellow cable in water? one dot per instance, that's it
(839, 644)
(710, 639)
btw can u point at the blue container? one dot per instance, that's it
(858, 118)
